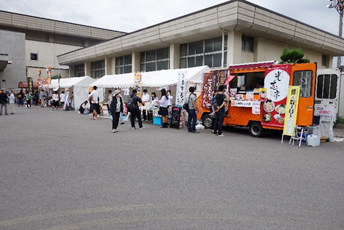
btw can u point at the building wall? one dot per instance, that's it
(266, 50)
(12, 44)
(47, 56)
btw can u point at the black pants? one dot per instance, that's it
(115, 120)
(219, 117)
(144, 115)
(134, 114)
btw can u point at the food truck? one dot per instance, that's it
(257, 95)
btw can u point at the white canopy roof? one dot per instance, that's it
(70, 82)
(114, 81)
(152, 79)
(170, 77)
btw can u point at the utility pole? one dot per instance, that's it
(339, 6)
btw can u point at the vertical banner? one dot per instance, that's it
(48, 70)
(207, 90)
(218, 78)
(181, 89)
(291, 110)
(30, 85)
(138, 83)
(276, 82)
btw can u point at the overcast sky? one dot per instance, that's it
(131, 15)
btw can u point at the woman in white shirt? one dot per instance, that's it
(163, 108)
(170, 98)
(155, 100)
(55, 100)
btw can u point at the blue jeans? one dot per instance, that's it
(219, 117)
(192, 116)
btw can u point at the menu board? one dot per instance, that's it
(207, 90)
(175, 119)
(276, 83)
(291, 110)
(218, 78)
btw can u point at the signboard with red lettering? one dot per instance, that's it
(324, 112)
(207, 90)
(276, 83)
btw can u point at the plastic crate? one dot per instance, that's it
(157, 121)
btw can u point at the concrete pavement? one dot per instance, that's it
(61, 170)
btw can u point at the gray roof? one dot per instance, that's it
(21, 22)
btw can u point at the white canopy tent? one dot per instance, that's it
(170, 77)
(115, 81)
(78, 85)
(152, 79)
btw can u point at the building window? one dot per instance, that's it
(247, 43)
(33, 57)
(123, 64)
(79, 70)
(206, 52)
(98, 69)
(324, 60)
(155, 60)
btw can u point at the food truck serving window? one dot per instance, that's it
(304, 80)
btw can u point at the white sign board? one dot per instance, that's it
(324, 112)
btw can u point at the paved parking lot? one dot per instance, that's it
(61, 170)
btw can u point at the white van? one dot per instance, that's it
(329, 91)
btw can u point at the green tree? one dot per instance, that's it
(293, 56)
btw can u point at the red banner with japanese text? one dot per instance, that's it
(277, 79)
(207, 90)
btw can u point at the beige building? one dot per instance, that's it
(45, 39)
(233, 32)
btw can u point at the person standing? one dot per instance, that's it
(212, 110)
(12, 101)
(94, 98)
(3, 101)
(109, 100)
(221, 101)
(155, 100)
(163, 108)
(116, 110)
(136, 110)
(170, 99)
(21, 96)
(192, 110)
(55, 100)
(28, 99)
(35, 98)
(145, 99)
(62, 99)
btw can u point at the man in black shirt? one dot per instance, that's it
(220, 111)
(136, 110)
(3, 101)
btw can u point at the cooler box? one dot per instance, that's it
(157, 121)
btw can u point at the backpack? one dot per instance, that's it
(130, 104)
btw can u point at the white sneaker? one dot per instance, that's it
(142, 128)
(221, 135)
(114, 130)
(133, 128)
